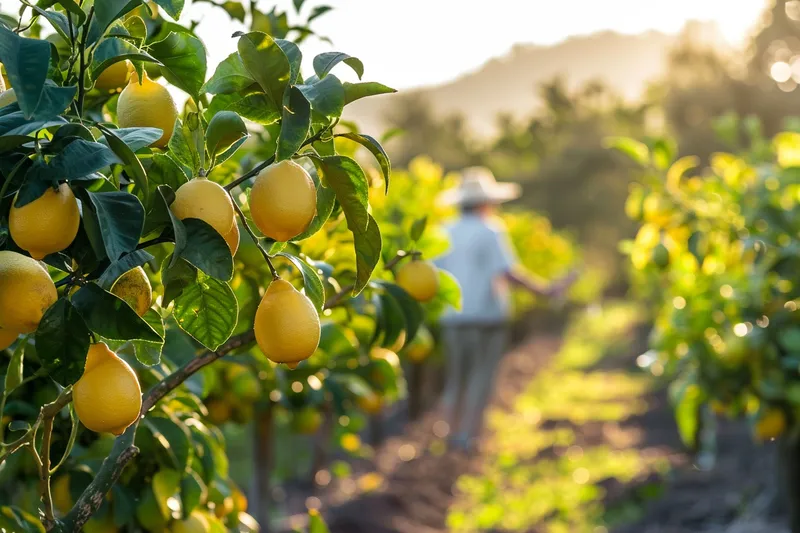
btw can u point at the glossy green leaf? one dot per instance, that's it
(357, 91)
(318, 11)
(183, 57)
(175, 441)
(105, 13)
(372, 144)
(235, 9)
(267, 64)
(120, 216)
(229, 77)
(316, 524)
(207, 250)
(325, 62)
(15, 368)
(176, 277)
(193, 491)
(207, 310)
(149, 353)
(367, 244)
(113, 50)
(326, 95)
(26, 62)
(295, 57)
(412, 310)
(312, 285)
(111, 317)
(62, 342)
(19, 521)
(348, 181)
(326, 199)
(172, 7)
(391, 319)
(224, 129)
(295, 123)
(125, 263)
(124, 144)
(254, 106)
(635, 150)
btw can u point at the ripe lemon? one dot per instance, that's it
(134, 287)
(232, 238)
(420, 279)
(287, 326)
(196, 523)
(26, 292)
(114, 77)
(7, 97)
(399, 342)
(47, 225)
(108, 397)
(7, 338)
(283, 200)
(240, 500)
(62, 498)
(306, 421)
(206, 200)
(420, 348)
(771, 425)
(370, 404)
(148, 104)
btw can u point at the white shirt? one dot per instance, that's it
(479, 257)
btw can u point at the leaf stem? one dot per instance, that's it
(253, 236)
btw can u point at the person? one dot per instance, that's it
(482, 260)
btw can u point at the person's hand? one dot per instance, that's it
(558, 289)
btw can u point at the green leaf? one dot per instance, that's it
(207, 250)
(348, 181)
(418, 228)
(111, 317)
(295, 124)
(15, 367)
(295, 57)
(372, 144)
(230, 77)
(267, 64)
(186, 144)
(127, 262)
(62, 342)
(317, 12)
(176, 278)
(325, 62)
(177, 226)
(368, 252)
(635, 150)
(326, 95)
(172, 7)
(69, 5)
(298, 4)
(412, 310)
(391, 319)
(235, 9)
(789, 339)
(125, 148)
(254, 106)
(166, 481)
(193, 491)
(312, 285)
(105, 13)
(113, 50)
(184, 61)
(149, 353)
(326, 199)
(687, 401)
(663, 152)
(357, 91)
(449, 290)
(224, 129)
(208, 311)
(26, 62)
(162, 171)
(120, 217)
(175, 440)
(19, 521)
(315, 522)
(58, 21)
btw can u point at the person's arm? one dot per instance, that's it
(520, 278)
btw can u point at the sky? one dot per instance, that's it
(410, 43)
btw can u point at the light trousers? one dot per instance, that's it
(473, 353)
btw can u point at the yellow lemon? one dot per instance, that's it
(771, 425)
(47, 225)
(287, 326)
(206, 200)
(134, 287)
(306, 421)
(196, 523)
(283, 200)
(399, 342)
(219, 411)
(108, 397)
(240, 500)
(7, 97)
(7, 338)
(26, 292)
(232, 238)
(371, 403)
(114, 77)
(420, 348)
(224, 508)
(148, 104)
(62, 498)
(420, 279)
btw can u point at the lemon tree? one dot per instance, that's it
(142, 241)
(716, 255)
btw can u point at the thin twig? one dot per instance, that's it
(82, 71)
(44, 472)
(346, 291)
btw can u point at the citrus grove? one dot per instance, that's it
(716, 253)
(141, 243)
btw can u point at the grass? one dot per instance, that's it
(538, 472)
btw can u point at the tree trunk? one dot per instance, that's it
(262, 455)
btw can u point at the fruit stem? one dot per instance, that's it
(253, 236)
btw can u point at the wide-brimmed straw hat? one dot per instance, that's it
(479, 186)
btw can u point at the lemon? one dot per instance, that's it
(306, 421)
(206, 200)
(283, 200)
(7, 338)
(246, 386)
(287, 326)
(421, 347)
(148, 104)
(62, 498)
(7, 97)
(26, 292)
(224, 508)
(370, 404)
(232, 238)
(240, 500)
(114, 77)
(196, 523)
(47, 225)
(219, 411)
(108, 397)
(420, 279)
(771, 425)
(399, 342)
(134, 287)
